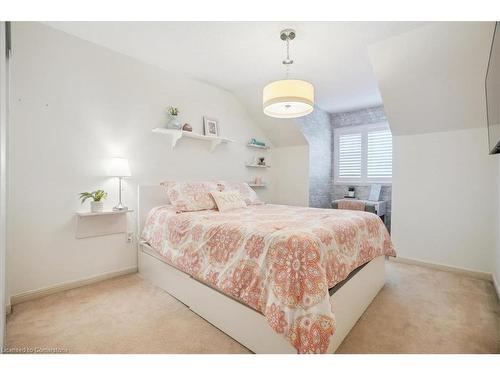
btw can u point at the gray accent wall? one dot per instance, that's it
(363, 116)
(317, 129)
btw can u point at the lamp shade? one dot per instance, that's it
(119, 168)
(288, 98)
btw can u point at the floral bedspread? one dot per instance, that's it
(279, 260)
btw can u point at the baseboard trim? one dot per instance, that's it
(42, 292)
(463, 271)
(496, 285)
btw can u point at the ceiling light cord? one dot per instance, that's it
(287, 49)
(286, 36)
(287, 62)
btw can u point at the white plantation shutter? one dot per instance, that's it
(363, 154)
(349, 163)
(379, 157)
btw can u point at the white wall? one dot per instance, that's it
(290, 169)
(496, 273)
(444, 186)
(3, 175)
(74, 104)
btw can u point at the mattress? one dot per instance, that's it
(282, 261)
(146, 248)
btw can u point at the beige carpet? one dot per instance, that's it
(420, 310)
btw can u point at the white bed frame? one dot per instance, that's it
(242, 323)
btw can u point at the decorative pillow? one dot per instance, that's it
(228, 200)
(192, 196)
(247, 193)
(167, 185)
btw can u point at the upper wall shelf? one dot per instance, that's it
(175, 135)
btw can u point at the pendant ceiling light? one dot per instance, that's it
(288, 98)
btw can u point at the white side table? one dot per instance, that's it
(94, 224)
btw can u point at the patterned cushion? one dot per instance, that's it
(228, 200)
(246, 192)
(192, 196)
(167, 185)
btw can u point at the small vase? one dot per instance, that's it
(174, 123)
(96, 206)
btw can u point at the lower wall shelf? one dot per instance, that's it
(257, 165)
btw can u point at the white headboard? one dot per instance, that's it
(149, 196)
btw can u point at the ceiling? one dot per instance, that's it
(242, 57)
(433, 79)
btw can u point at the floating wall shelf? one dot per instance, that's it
(257, 146)
(175, 135)
(257, 165)
(256, 185)
(93, 224)
(87, 213)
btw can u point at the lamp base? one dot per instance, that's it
(120, 207)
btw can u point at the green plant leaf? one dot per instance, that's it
(96, 195)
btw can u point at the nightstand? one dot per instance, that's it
(94, 224)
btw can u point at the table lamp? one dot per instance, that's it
(119, 168)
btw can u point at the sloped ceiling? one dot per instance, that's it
(432, 78)
(243, 56)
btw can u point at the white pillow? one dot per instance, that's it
(228, 200)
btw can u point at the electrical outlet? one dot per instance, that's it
(130, 237)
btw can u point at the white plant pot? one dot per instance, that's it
(174, 123)
(96, 206)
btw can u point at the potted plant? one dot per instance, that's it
(174, 122)
(97, 204)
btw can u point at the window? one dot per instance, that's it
(349, 146)
(363, 154)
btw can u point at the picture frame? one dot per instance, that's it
(210, 127)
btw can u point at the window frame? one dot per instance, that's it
(364, 130)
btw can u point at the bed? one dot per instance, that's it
(278, 279)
